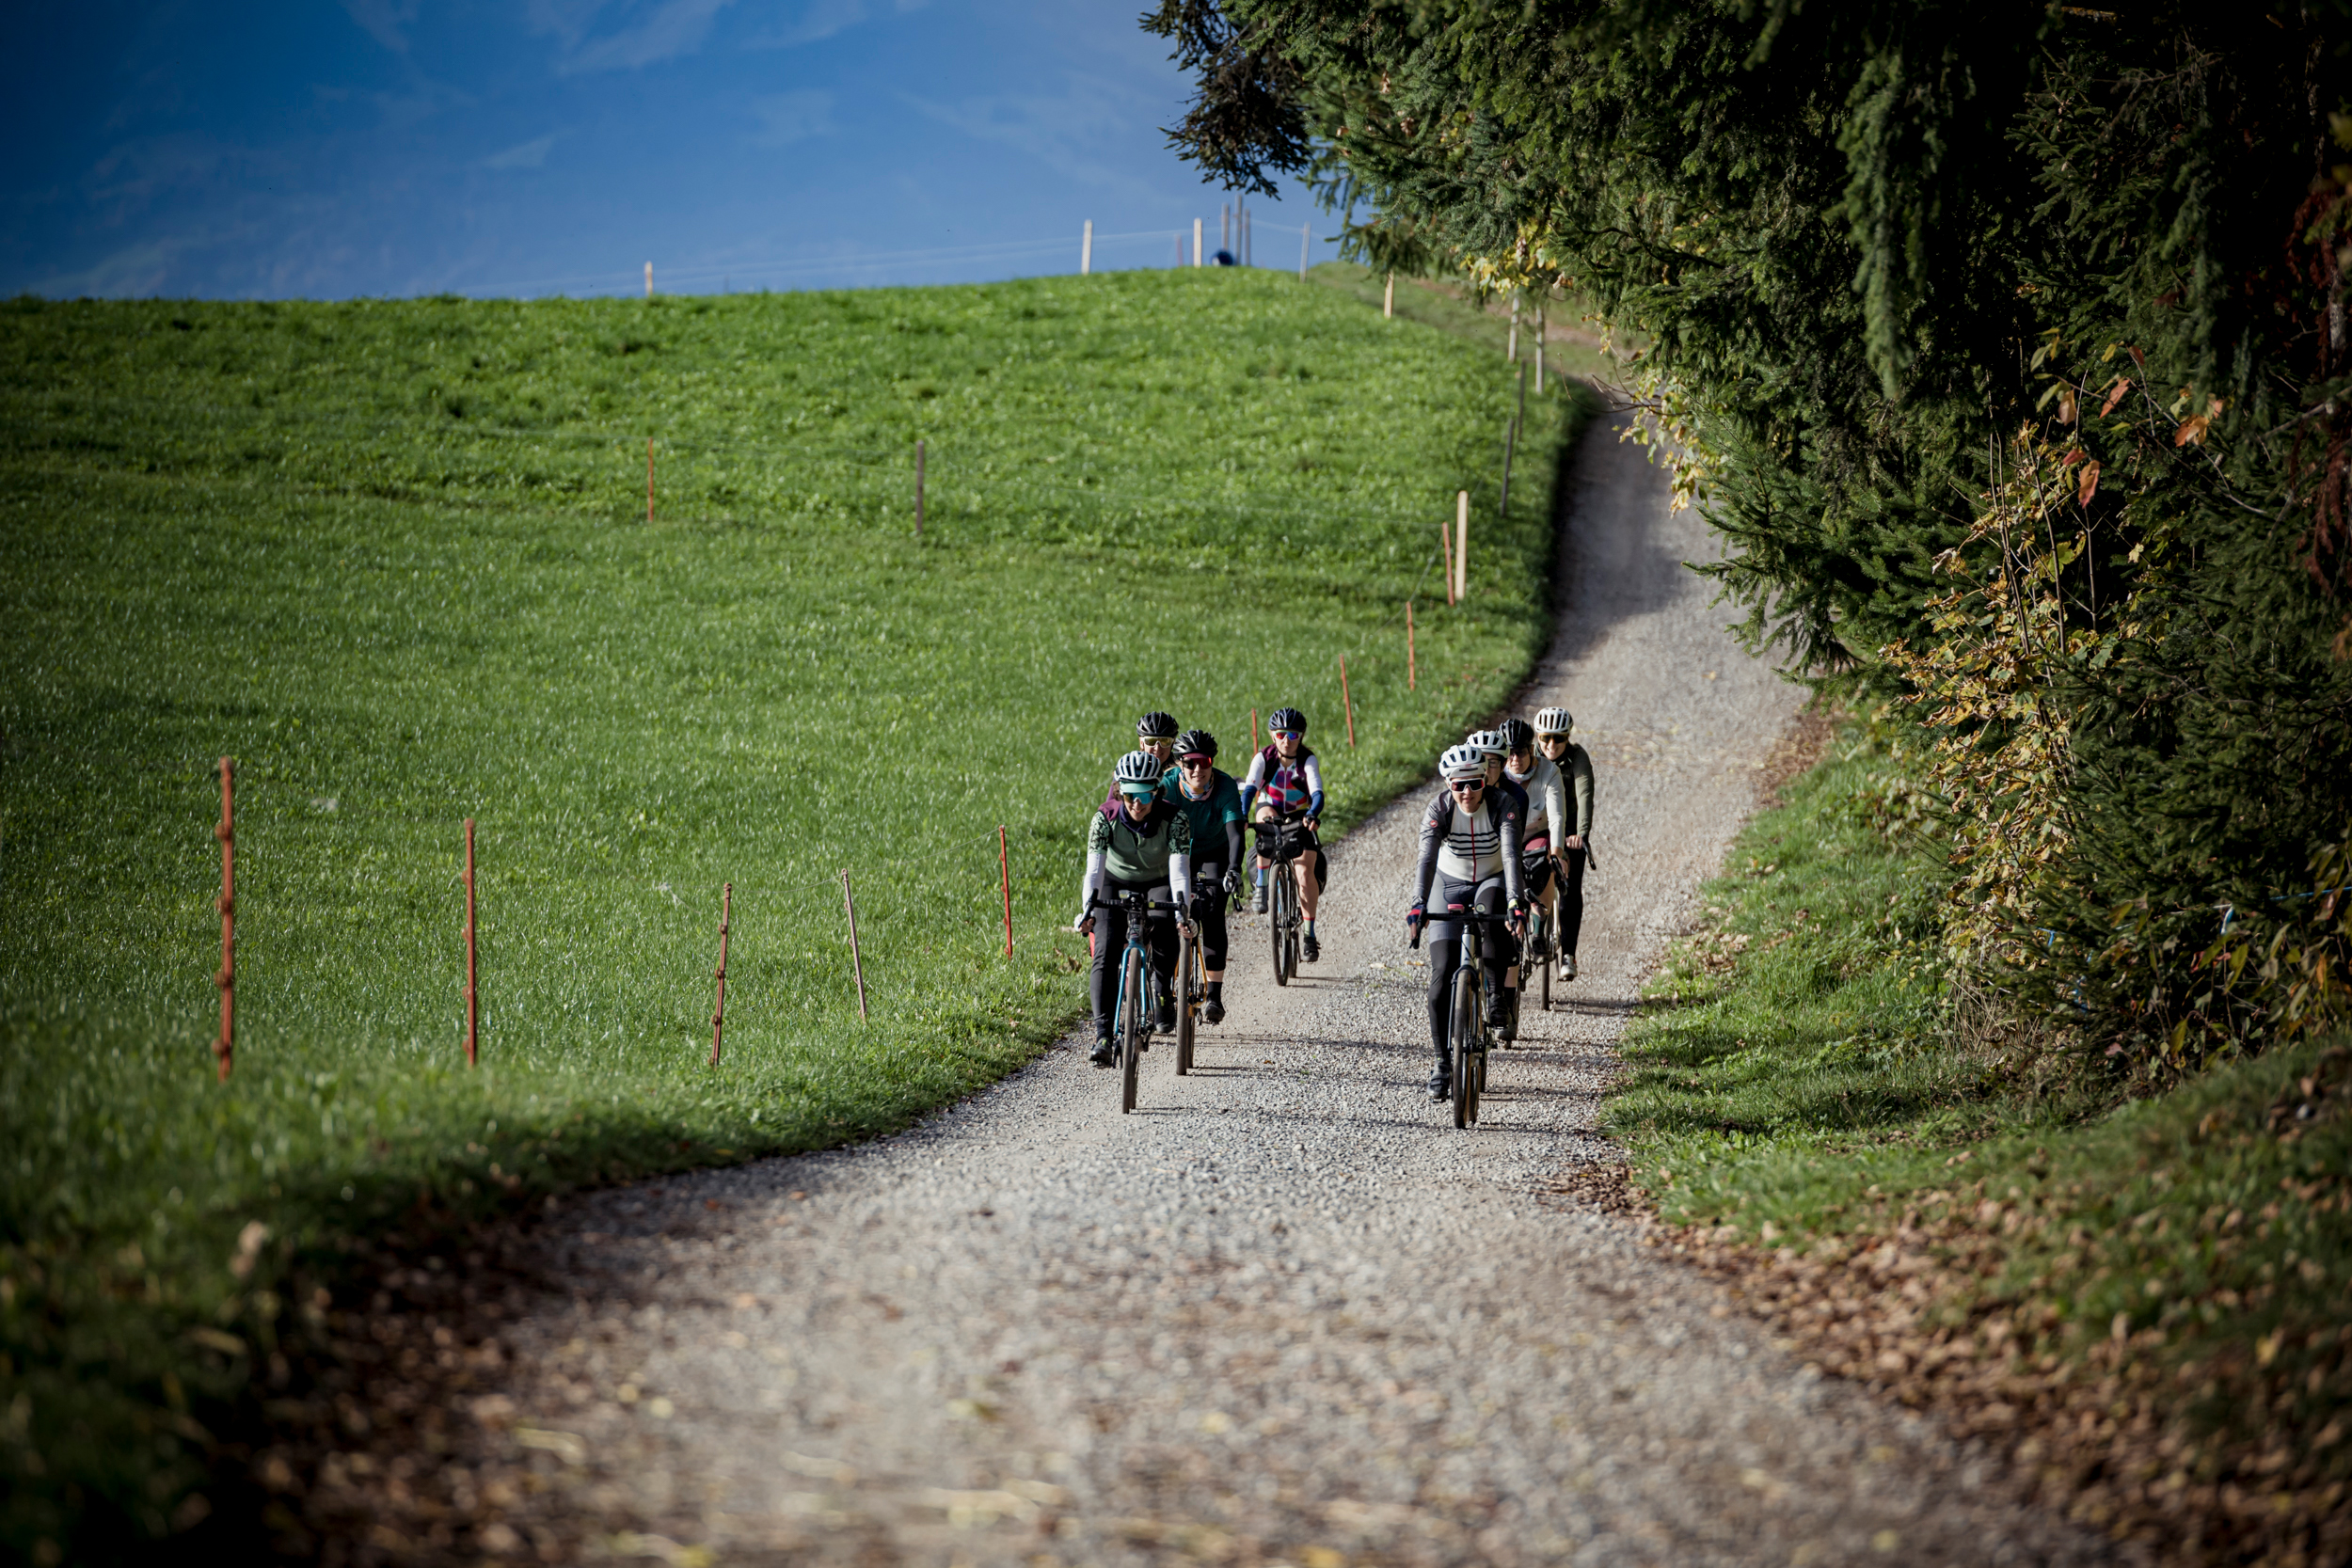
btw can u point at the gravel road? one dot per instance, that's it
(1284, 1313)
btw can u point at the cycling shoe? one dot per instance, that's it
(1212, 1011)
(1105, 1054)
(1311, 948)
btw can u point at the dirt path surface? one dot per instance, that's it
(1284, 1313)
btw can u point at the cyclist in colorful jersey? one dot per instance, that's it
(1285, 785)
(1469, 859)
(1155, 732)
(1575, 767)
(1546, 806)
(1211, 800)
(1145, 848)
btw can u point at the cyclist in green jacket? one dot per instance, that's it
(1209, 797)
(1145, 848)
(1570, 849)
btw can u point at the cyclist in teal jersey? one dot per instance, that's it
(1211, 800)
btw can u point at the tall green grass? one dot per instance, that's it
(392, 556)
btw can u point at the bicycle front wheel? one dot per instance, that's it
(1464, 1032)
(1279, 922)
(1187, 999)
(1135, 1027)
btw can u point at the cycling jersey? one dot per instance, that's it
(1216, 820)
(1292, 785)
(1576, 778)
(1547, 807)
(1469, 845)
(1159, 850)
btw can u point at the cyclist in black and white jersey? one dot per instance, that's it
(1470, 861)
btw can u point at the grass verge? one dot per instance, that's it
(2140, 1304)
(394, 556)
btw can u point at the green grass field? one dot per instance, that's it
(1801, 1075)
(393, 558)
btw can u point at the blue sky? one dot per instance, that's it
(408, 147)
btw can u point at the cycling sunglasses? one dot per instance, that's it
(1284, 735)
(1137, 792)
(1196, 760)
(1558, 737)
(1466, 786)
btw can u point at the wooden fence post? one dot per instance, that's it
(1347, 704)
(1086, 250)
(719, 1009)
(918, 487)
(1461, 546)
(472, 1008)
(225, 1048)
(1196, 242)
(1004, 868)
(1387, 298)
(857, 965)
(648, 280)
(1409, 679)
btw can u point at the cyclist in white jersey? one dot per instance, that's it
(1469, 859)
(1547, 807)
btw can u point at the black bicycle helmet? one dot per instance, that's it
(1286, 719)
(1517, 734)
(1156, 726)
(1197, 743)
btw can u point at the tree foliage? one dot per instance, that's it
(2051, 296)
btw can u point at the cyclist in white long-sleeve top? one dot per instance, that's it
(1470, 861)
(1285, 785)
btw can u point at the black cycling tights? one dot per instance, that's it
(1444, 942)
(1570, 908)
(1110, 946)
(1208, 913)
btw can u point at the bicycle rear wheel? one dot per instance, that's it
(1187, 999)
(1135, 1024)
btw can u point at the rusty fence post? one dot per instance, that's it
(1410, 680)
(472, 1010)
(857, 965)
(1003, 867)
(1346, 704)
(719, 1009)
(225, 1048)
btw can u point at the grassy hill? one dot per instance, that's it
(393, 558)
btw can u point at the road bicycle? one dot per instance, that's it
(1131, 1027)
(1536, 955)
(1284, 920)
(1192, 991)
(1465, 1031)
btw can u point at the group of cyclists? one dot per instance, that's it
(1509, 828)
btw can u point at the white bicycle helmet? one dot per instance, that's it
(1464, 760)
(1554, 721)
(1138, 774)
(1490, 742)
